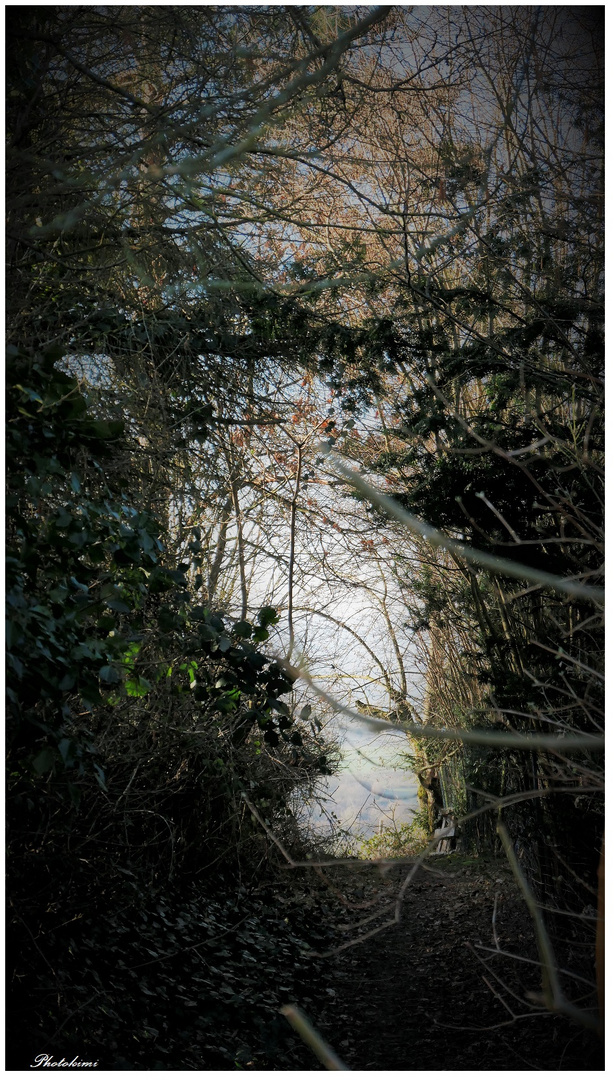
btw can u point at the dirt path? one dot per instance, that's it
(418, 996)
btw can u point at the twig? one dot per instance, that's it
(36, 946)
(494, 923)
(552, 989)
(565, 656)
(493, 975)
(368, 919)
(312, 1038)
(528, 960)
(354, 941)
(437, 539)
(363, 905)
(268, 831)
(553, 995)
(79, 1008)
(500, 997)
(475, 736)
(128, 785)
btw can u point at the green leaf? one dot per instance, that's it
(101, 429)
(100, 777)
(64, 520)
(59, 594)
(279, 706)
(138, 687)
(79, 585)
(67, 748)
(16, 664)
(118, 605)
(109, 674)
(31, 395)
(267, 616)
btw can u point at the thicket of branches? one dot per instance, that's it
(238, 238)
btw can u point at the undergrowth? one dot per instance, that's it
(168, 979)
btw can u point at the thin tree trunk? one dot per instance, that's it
(220, 548)
(297, 484)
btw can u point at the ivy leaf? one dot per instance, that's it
(279, 706)
(267, 616)
(79, 585)
(109, 674)
(67, 748)
(118, 605)
(100, 777)
(64, 519)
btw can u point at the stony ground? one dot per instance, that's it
(449, 986)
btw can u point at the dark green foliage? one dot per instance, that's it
(76, 564)
(87, 593)
(166, 978)
(137, 720)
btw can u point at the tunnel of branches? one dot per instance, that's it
(305, 407)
